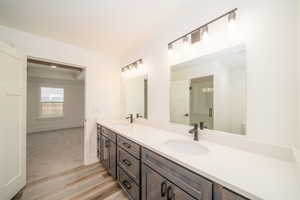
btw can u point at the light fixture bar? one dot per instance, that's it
(135, 63)
(204, 25)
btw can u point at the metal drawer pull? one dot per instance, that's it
(127, 162)
(170, 193)
(128, 146)
(163, 188)
(126, 184)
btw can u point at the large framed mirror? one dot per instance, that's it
(211, 89)
(136, 94)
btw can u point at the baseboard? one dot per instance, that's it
(59, 129)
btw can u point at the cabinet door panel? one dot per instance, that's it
(105, 152)
(154, 186)
(175, 193)
(221, 193)
(112, 160)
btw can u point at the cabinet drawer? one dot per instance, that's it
(129, 146)
(109, 134)
(221, 193)
(129, 164)
(128, 185)
(193, 184)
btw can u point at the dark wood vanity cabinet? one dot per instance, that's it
(129, 167)
(181, 182)
(108, 153)
(222, 193)
(156, 187)
(146, 175)
(98, 141)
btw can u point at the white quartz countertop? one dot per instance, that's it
(253, 175)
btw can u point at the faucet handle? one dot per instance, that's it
(201, 125)
(138, 115)
(129, 116)
(195, 126)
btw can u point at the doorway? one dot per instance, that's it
(202, 100)
(55, 117)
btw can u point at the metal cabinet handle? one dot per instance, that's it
(170, 193)
(126, 162)
(126, 184)
(163, 188)
(128, 146)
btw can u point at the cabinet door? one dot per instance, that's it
(154, 186)
(175, 193)
(105, 152)
(221, 193)
(112, 159)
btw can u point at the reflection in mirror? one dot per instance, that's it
(211, 89)
(136, 90)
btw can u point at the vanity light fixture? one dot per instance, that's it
(203, 30)
(132, 66)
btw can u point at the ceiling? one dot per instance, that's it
(110, 26)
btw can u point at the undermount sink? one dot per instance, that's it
(187, 147)
(121, 123)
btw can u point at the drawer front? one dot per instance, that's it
(129, 146)
(195, 185)
(221, 193)
(109, 134)
(128, 185)
(129, 164)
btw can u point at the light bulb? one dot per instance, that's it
(170, 49)
(232, 22)
(140, 64)
(205, 36)
(185, 42)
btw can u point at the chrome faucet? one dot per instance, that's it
(195, 131)
(131, 118)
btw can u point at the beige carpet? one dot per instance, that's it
(52, 152)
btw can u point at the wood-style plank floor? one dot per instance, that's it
(81, 183)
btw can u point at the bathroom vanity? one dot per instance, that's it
(147, 175)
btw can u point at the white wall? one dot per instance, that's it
(268, 28)
(102, 78)
(73, 105)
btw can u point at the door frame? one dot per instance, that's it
(84, 68)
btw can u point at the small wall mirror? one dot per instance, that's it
(136, 91)
(211, 89)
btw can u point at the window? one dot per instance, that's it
(51, 102)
